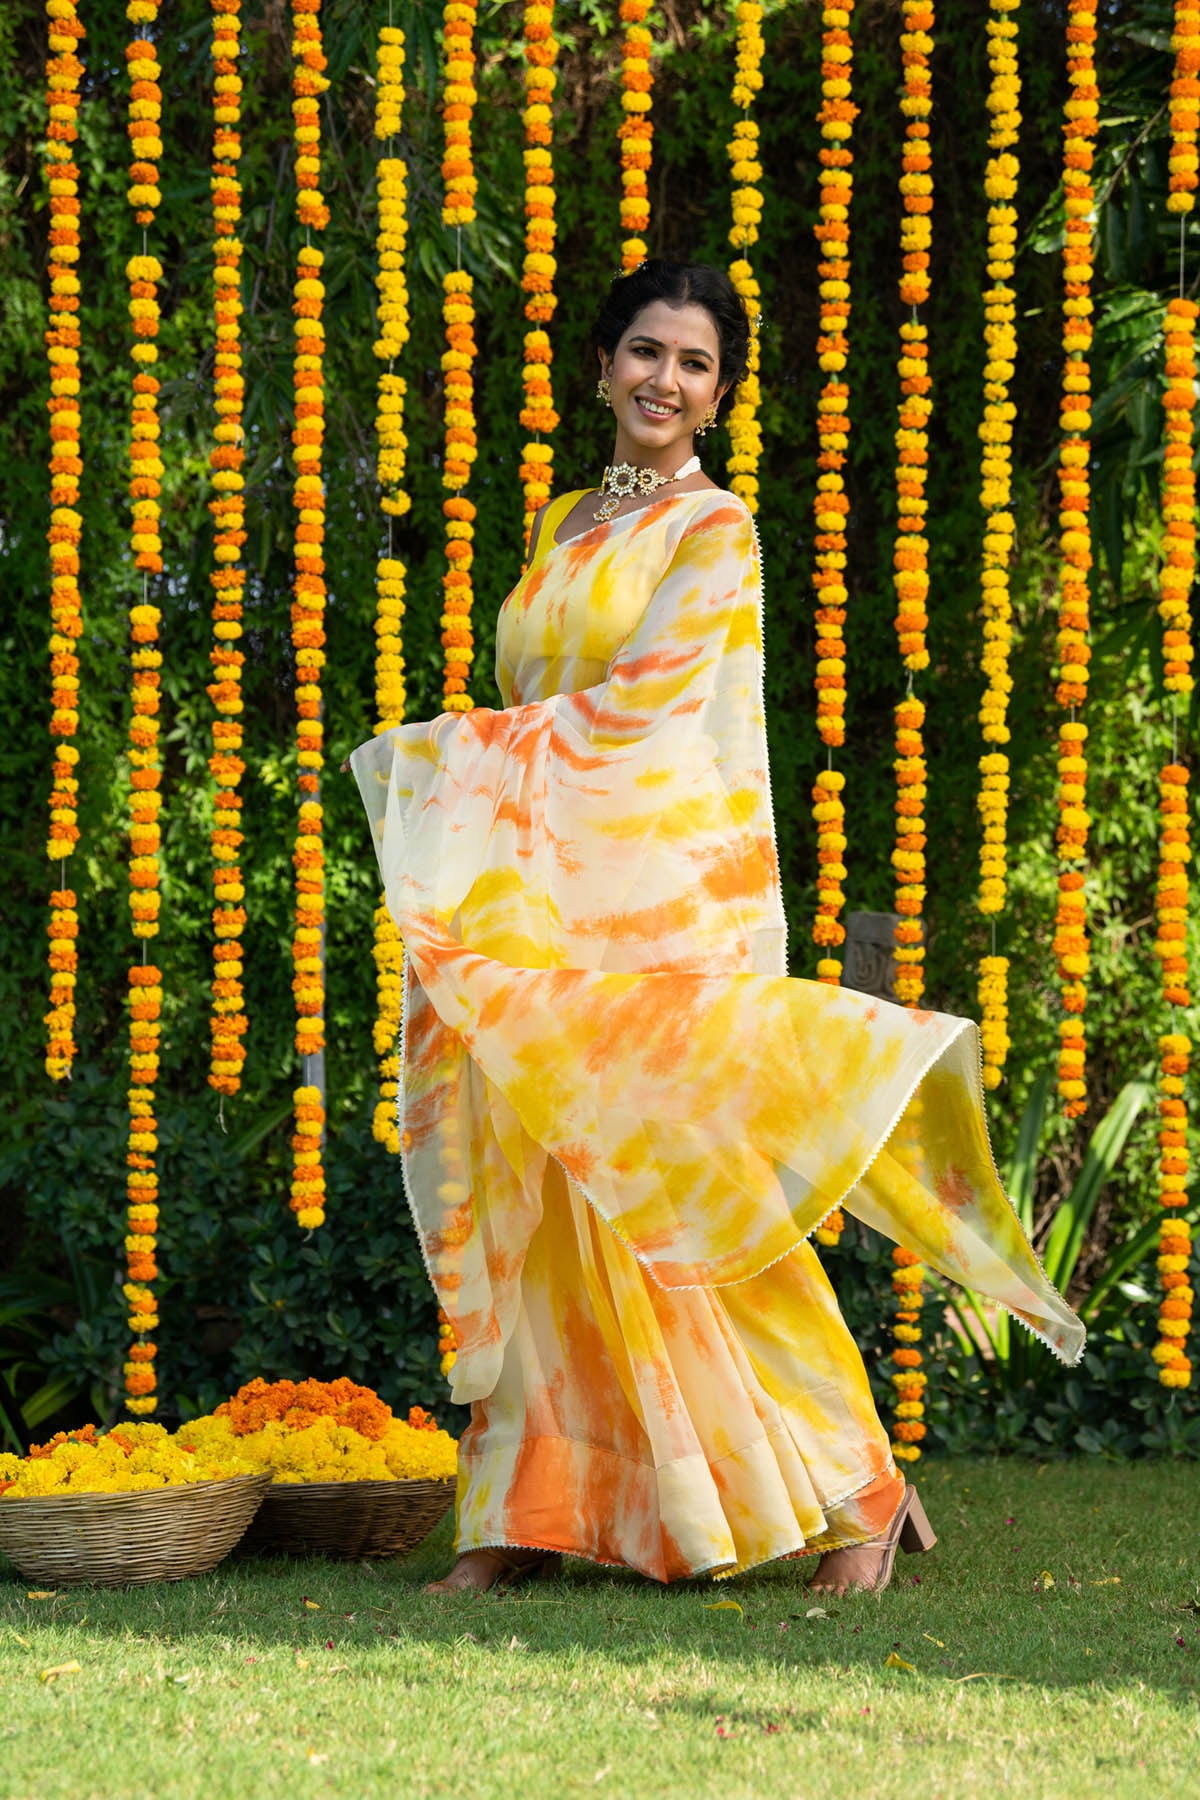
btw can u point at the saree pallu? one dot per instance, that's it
(620, 1119)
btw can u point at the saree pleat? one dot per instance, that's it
(621, 1120)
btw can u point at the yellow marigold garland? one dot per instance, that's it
(1185, 108)
(390, 573)
(832, 231)
(635, 133)
(1080, 114)
(458, 359)
(539, 267)
(745, 433)
(995, 495)
(228, 1021)
(308, 613)
(145, 487)
(63, 73)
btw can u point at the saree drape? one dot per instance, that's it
(621, 1120)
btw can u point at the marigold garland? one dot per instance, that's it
(539, 267)
(458, 359)
(908, 1430)
(145, 487)
(635, 132)
(308, 613)
(228, 1023)
(908, 857)
(390, 573)
(995, 495)
(1185, 108)
(1174, 846)
(64, 71)
(910, 555)
(447, 1342)
(832, 232)
(1080, 117)
(745, 433)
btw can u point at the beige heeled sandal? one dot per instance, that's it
(909, 1531)
(508, 1569)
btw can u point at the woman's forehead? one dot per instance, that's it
(688, 327)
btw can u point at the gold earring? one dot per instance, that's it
(604, 391)
(708, 421)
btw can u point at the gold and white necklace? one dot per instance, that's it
(623, 479)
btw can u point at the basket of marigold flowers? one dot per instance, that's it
(348, 1478)
(123, 1506)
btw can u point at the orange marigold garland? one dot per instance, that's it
(1174, 849)
(63, 73)
(1080, 116)
(745, 433)
(228, 1021)
(308, 619)
(1185, 108)
(390, 573)
(145, 487)
(832, 231)
(911, 552)
(635, 133)
(458, 359)
(909, 1381)
(995, 495)
(539, 267)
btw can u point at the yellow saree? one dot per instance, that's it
(621, 1120)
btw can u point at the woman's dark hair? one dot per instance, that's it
(680, 284)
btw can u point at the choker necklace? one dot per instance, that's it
(624, 479)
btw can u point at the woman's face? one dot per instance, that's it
(664, 377)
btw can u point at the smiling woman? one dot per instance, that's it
(620, 1120)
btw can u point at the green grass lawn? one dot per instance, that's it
(1053, 1638)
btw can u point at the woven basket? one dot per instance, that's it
(347, 1518)
(156, 1534)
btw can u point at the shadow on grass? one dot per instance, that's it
(1052, 1576)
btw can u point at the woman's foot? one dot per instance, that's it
(855, 1568)
(476, 1571)
(867, 1568)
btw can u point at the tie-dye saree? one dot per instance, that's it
(621, 1120)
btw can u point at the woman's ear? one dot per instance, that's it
(605, 362)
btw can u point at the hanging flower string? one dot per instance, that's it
(64, 71)
(832, 231)
(228, 1021)
(308, 614)
(539, 267)
(635, 133)
(145, 770)
(909, 1381)
(1185, 109)
(1174, 846)
(745, 433)
(911, 552)
(458, 359)
(1080, 115)
(390, 573)
(995, 495)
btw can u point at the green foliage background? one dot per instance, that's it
(242, 1294)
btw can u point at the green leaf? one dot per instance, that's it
(1103, 1153)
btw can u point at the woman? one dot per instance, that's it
(620, 1119)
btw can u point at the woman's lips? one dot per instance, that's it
(644, 407)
